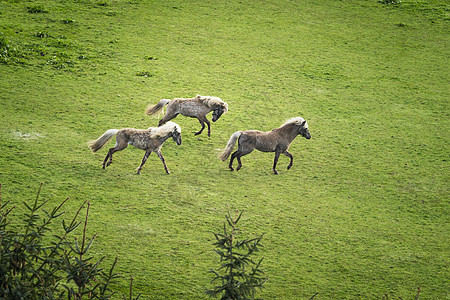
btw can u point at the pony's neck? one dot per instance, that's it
(290, 131)
(164, 138)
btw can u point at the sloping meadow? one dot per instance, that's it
(362, 213)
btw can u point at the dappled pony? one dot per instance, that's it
(277, 140)
(150, 140)
(197, 107)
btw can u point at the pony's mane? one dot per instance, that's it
(211, 102)
(164, 129)
(296, 121)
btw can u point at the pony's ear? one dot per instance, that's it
(303, 124)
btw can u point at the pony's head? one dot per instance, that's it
(304, 131)
(215, 104)
(169, 129)
(302, 126)
(176, 132)
(220, 109)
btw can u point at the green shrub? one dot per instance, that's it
(36, 9)
(3, 42)
(10, 53)
(392, 2)
(67, 21)
(41, 34)
(35, 263)
(144, 74)
(237, 281)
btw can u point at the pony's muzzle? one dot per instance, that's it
(216, 115)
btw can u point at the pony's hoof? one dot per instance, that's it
(276, 172)
(289, 167)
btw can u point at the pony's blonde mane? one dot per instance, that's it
(163, 130)
(296, 121)
(212, 102)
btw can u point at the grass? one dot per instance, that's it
(364, 210)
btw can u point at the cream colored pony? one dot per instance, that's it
(197, 107)
(150, 140)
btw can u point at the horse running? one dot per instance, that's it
(197, 107)
(278, 140)
(150, 140)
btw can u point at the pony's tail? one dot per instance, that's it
(227, 151)
(102, 140)
(153, 109)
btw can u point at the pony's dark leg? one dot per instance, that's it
(203, 126)
(167, 118)
(106, 159)
(275, 161)
(238, 154)
(245, 146)
(291, 157)
(161, 157)
(233, 156)
(111, 152)
(109, 155)
(203, 120)
(144, 159)
(239, 162)
(209, 126)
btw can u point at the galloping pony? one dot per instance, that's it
(197, 107)
(278, 140)
(150, 140)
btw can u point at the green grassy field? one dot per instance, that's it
(364, 210)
